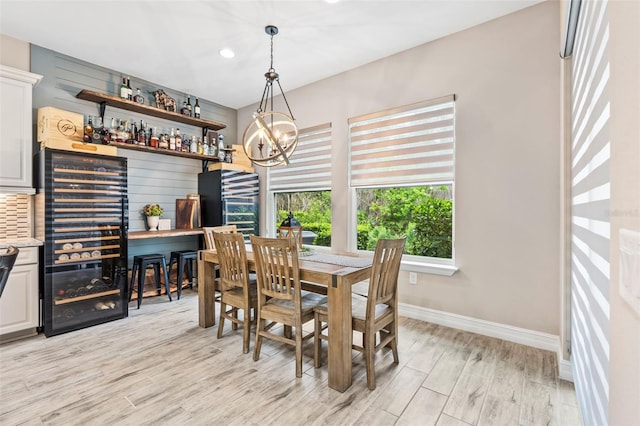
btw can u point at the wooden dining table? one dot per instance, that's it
(338, 279)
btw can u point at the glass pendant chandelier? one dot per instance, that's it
(271, 137)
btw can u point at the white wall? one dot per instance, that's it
(506, 75)
(14, 53)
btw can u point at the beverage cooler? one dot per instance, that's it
(82, 215)
(230, 197)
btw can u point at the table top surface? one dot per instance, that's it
(139, 235)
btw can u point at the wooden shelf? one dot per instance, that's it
(116, 102)
(145, 148)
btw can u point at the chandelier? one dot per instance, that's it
(271, 137)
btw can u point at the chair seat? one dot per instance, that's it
(358, 310)
(283, 307)
(235, 296)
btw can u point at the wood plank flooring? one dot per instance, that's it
(159, 367)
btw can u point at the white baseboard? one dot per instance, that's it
(509, 333)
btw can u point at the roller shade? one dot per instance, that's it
(310, 165)
(590, 206)
(413, 144)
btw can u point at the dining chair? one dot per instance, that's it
(238, 292)
(280, 298)
(376, 313)
(209, 230)
(294, 232)
(7, 260)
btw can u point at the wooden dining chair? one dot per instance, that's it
(209, 230)
(377, 313)
(280, 298)
(294, 232)
(7, 260)
(238, 292)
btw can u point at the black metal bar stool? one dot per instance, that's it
(140, 265)
(180, 257)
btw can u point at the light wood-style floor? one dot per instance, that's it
(159, 367)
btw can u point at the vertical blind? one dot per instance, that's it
(413, 144)
(310, 165)
(590, 225)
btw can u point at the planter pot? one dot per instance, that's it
(152, 222)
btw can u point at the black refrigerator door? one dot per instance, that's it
(85, 251)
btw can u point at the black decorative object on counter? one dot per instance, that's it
(290, 221)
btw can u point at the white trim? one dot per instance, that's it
(510, 333)
(20, 75)
(429, 268)
(565, 372)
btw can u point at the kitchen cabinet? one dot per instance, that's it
(16, 143)
(19, 304)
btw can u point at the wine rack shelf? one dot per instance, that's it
(145, 148)
(86, 297)
(116, 102)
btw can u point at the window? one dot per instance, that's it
(402, 172)
(304, 187)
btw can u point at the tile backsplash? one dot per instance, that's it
(15, 216)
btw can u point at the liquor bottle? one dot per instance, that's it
(178, 140)
(133, 135)
(193, 147)
(196, 109)
(172, 140)
(153, 138)
(88, 130)
(184, 110)
(221, 153)
(189, 108)
(138, 98)
(163, 143)
(113, 132)
(124, 91)
(129, 90)
(203, 148)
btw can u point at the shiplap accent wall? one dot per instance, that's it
(590, 228)
(153, 178)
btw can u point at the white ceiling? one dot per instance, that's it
(175, 43)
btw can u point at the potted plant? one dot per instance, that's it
(153, 213)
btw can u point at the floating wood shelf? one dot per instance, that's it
(116, 102)
(145, 148)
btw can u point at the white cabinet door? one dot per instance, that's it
(16, 88)
(19, 304)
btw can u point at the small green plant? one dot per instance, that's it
(152, 210)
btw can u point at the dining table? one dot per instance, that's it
(335, 271)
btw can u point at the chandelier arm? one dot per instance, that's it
(285, 99)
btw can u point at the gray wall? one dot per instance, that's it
(153, 178)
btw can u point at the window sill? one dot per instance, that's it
(429, 268)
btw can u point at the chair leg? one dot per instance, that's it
(166, 279)
(223, 312)
(234, 324)
(246, 333)
(133, 280)
(259, 328)
(369, 340)
(317, 343)
(298, 338)
(179, 277)
(142, 274)
(190, 272)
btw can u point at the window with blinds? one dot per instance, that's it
(402, 169)
(304, 186)
(590, 206)
(407, 145)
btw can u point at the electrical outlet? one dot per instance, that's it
(413, 278)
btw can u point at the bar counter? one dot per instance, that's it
(141, 235)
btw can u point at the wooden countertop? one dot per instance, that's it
(140, 235)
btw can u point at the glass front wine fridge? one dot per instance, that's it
(82, 215)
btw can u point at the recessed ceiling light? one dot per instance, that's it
(227, 53)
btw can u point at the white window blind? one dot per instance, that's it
(413, 144)
(590, 204)
(309, 168)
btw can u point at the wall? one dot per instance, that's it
(153, 178)
(506, 76)
(624, 331)
(14, 53)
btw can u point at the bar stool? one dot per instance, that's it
(140, 265)
(180, 257)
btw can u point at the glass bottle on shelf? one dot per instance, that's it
(129, 90)
(221, 153)
(142, 134)
(172, 140)
(203, 149)
(154, 141)
(88, 130)
(193, 147)
(124, 92)
(138, 98)
(189, 107)
(184, 110)
(163, 143)
(113, 131)
(178, 141)
(196, 109)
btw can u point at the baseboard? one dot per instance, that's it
(565, 372)
(523, 336)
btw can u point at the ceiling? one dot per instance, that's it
(176, 43)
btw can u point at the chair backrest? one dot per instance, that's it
(383, 282)
(294, 232)
(277, 268)
(209, 230)
(232, 258)
(7, 260)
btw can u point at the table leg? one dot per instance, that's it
(340, 334)
(206, 293)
